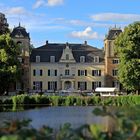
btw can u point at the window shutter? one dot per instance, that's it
(99, 72)
(48, 72)
(99, 84)
(93, 85)
(78, 72)
(85, 85)
(55, 85)
(93, 73)
(34, 72)
(55, 72)
(48, 85)
(40, 84)
(85, 72)
(78, 85)
(41, 72)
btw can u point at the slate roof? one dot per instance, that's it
(20, 32)
(113, 33)
(56, 49)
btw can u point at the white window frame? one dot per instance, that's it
(96, 73)
(97, 84)
(115, 61)
(52, 59)
(96, 59)
(82, 59)
(37, 58)
(67, 72)
(115, 72)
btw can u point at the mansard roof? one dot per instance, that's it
(19, 32)
(113, 33)
(56, 49)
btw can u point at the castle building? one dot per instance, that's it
(63, 66)
(59, 66)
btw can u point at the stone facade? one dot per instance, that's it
(111, 59)
(57, 66)
(22, 38)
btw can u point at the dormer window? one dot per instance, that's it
(52, 59)
(82, 59)
(96, 59)
(37, 58)
(67, 56)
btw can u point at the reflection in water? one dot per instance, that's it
(55, 116)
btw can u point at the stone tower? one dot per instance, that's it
(22, 38)
(3, 24)
(111, 59)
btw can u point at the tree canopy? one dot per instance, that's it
(127, 46)
(9, 64)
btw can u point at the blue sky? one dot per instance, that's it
(72, 21)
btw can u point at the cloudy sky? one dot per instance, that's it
(72, 21)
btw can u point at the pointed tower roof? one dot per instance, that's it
(19, 32)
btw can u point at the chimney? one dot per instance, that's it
(47, 42)
(85, 43)
(67, 43)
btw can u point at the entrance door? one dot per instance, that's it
(67, 85)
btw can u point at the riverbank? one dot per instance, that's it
(38, 100)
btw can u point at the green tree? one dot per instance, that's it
(9, 64)
(127, 46)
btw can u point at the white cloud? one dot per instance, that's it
(40, 3)
(55, 2)
(15, 10)
(116, 17)
(86, 34)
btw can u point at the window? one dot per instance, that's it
(37, 58)
(115, 61)
(82, 59)
(18, 86)
(37, 72)
(52, 72)
(67, 72)
(52, 59)
(82, 72)
(52, 85)
(82, 85)
(67, 56)
(37, 85)
(96, 72)
(116, 84)
(21, 60)
(114, 72)
(96, 59)
(96, 84)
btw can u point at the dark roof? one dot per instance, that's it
(20, 32)
(55, 49)
(113, 33)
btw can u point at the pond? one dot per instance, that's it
(56, 116)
